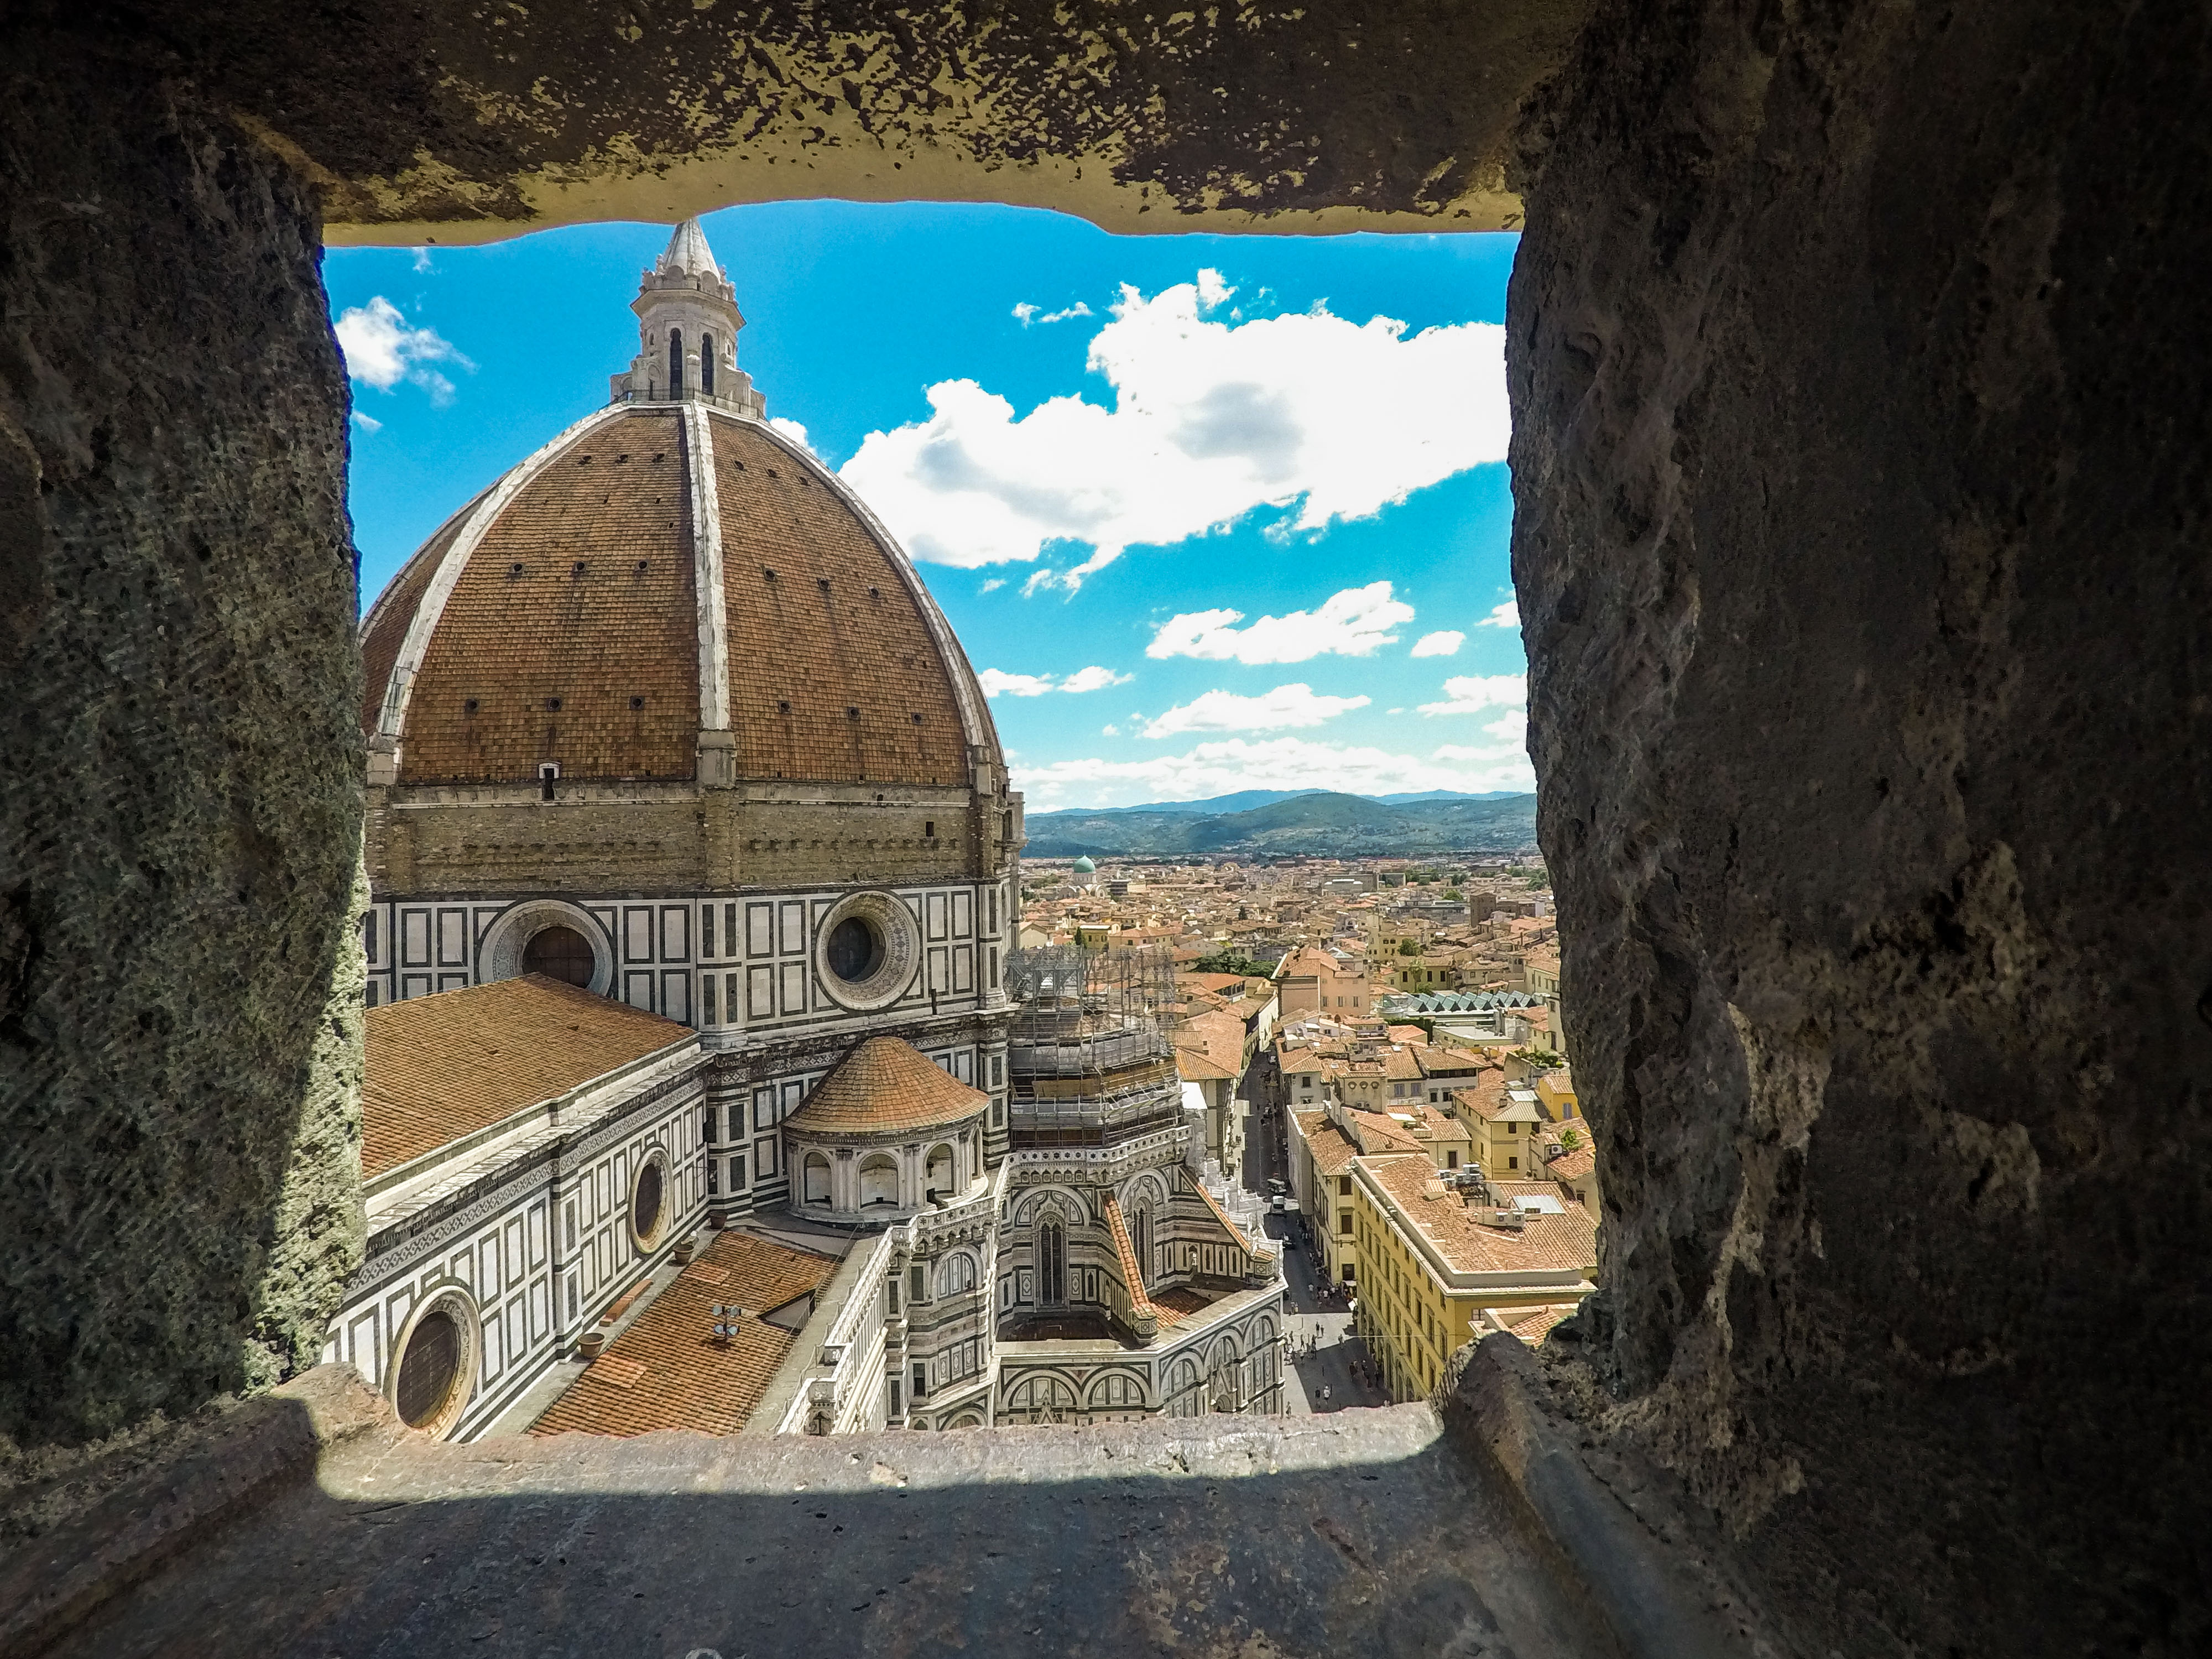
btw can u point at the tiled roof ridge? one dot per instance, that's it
(1222, 1216)
(1133, 1272)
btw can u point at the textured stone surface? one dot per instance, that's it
(179, 830)
(1860, 365)
(1364, 1532)
(465, 122)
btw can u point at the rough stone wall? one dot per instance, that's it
(1860, 369)
(180, 828)
(455, 122)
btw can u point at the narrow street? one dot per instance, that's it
(1319, 1375)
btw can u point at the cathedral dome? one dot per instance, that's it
(671, 590)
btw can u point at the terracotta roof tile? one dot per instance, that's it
(1132, 1278)
(1543, 1243)
(1537, 1326)
(624, 627)
(442, 1066)
(835, 630)
(885, 1086)
(1198, 1068)
(836, 673)
(668, 1371)
(384, 630)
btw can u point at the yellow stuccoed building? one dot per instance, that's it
(1445, 1259)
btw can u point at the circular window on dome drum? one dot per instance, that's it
(856, 950)
(434, 1366)
(560, 953)
(648, 1202)
(865, 951)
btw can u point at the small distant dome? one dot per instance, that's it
(1084, 866)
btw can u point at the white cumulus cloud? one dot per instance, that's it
(1507, 615)
(792, 431)
(1350, 623)
(1286, 706)
(1026, 313)
(382, 350)
(1227, 764)
(996, 681)
(1209, 420)
(1444, 642)
(1471, 693)
(367, 423)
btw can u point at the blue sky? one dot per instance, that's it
(1201, 520)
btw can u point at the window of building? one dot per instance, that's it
(707, 1134)
(560, 953)
(738, 1173)
(429, 1370)
(707, 931)
(814, 1180)
(956, 1275)
(1451, 1160)
(898, 1406)
(707, 1016)
(706, 364)
(714, 1184)
(675, 362)
(1344, 1185)
(879, 1182)
(920, 1381)
(917, 1282)
(1344, 1221)
(1051, 1263)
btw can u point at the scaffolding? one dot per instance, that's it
(1088, 1056)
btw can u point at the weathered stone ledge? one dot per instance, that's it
(1388, 1531)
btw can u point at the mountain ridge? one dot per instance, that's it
(1307, 822)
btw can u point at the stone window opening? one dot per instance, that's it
(1051, 1264)
(549, 773)
(814, 1181)
(879, 1182)
(705, 366)
(675, 362)
(560, 953)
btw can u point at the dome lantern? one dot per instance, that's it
(687, 324)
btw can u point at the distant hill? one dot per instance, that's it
(1242, 801)
(1320, 823)
(1245, 800)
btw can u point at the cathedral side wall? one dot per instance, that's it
(536, 1241)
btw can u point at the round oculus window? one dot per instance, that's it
(648, 1202)
(560, 953)
(434, 1370)
(867, 950)
(855, 950)
(428, 1370)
